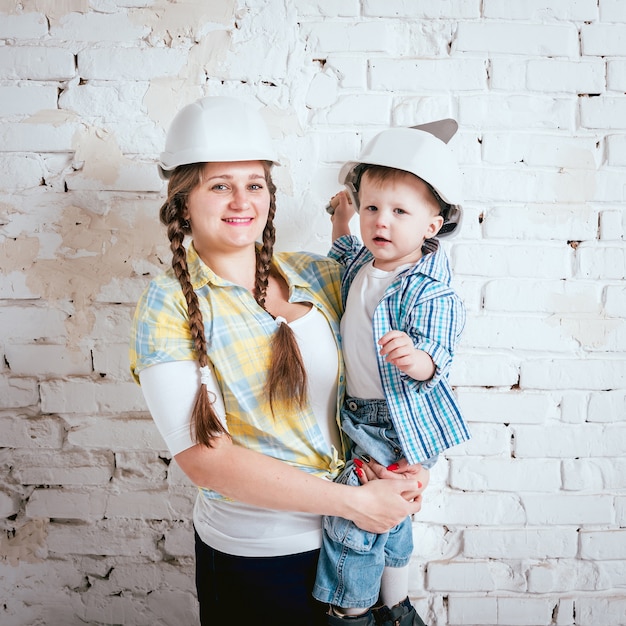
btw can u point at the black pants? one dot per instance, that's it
(239, 591)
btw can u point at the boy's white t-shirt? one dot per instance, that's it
(359, 347)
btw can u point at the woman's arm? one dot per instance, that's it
(257, 479)
(263, 481)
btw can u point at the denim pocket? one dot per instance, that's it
(348, 534)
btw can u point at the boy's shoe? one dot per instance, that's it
(401, 614)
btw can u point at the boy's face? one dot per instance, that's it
(395, 217)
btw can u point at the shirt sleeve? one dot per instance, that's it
(170, 391)
(435, 326)
(160, 329)
(344, 249)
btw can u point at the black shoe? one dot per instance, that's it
(401, 614)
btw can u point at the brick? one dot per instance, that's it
(327, 8)
(18, 173)
(516, 38)
(609, 610)
(593, 374)
(607, 406)
(577, 440)
(430, 74)
(549, 261)
(28, 25)
(433, 11)
(30, 136)
(473, 576)
(26, 100)
(65, 504)
(97, 27)
(356, 110)
(129, 64)
(118, 434)
(510, 407)
(545, 296)
(72, 467)
(542, 10)
(483, 370)
(18, 392)
(520, 543)
(83, 396)
(575, 77)
(20, 431)
(369, 36)
(517, 475)
(603, 544)
(608, 261)
(564, 576)
(36, 63)
(604, 112)
(513, 111)
(522, 333)
(543, 150)
(602, 39)
(616, 75)
(47, 360)
(573, 510)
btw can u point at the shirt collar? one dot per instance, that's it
(201, 274)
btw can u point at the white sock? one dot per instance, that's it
(350, 611)
(394, 585)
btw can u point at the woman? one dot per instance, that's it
(236, 349)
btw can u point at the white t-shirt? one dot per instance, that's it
(359, 349)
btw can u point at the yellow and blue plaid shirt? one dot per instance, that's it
(239, 333)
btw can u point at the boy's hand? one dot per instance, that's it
(397, 348)
(342, 213)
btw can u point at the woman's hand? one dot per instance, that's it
(380, 505)
(371, 470)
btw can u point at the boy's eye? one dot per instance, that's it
(399, 211)
(371, 207)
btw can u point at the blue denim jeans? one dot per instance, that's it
(352, 560)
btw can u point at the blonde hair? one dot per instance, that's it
(286, 379)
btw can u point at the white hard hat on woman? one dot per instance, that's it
(216, 129)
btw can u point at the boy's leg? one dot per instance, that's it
(395, 585)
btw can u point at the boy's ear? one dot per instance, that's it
(435, 225)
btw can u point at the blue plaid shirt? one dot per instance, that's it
(421, 303)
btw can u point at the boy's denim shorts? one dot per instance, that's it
(352, 560)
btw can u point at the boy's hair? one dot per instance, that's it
(380, 174)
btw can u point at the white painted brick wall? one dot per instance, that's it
(522, 525)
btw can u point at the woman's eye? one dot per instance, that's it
(218, 187)
(256, 187)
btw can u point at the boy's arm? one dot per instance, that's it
(343, 213)
(425, 351)
(397, 348)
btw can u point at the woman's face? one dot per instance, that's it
(228, 209)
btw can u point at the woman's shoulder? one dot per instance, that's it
(309, 267)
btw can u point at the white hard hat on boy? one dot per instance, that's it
(216, 129)
(420, 150)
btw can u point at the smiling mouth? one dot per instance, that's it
(238, 220)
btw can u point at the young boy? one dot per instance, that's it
(401, 324)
